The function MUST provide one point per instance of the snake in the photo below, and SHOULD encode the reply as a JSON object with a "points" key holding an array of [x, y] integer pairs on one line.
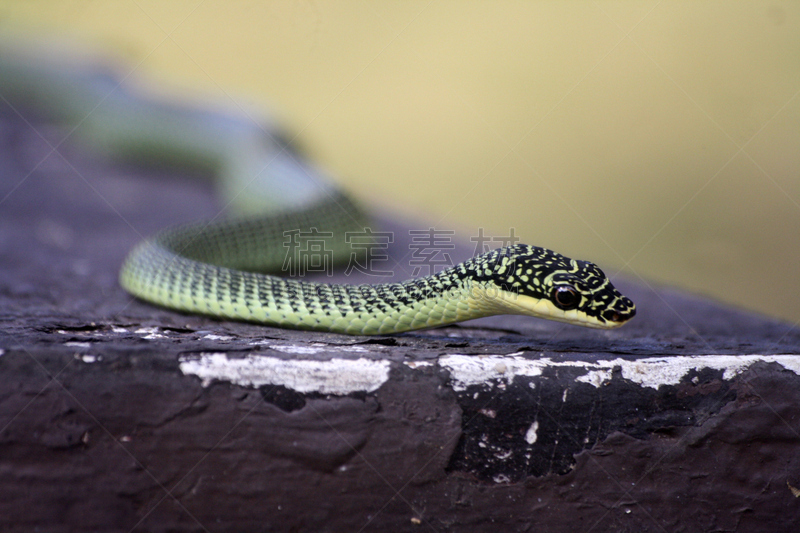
{"points": [[234, 268]]}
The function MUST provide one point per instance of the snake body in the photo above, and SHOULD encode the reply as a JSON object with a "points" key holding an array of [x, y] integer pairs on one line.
{"points": [[215, 270], [226, 268]]}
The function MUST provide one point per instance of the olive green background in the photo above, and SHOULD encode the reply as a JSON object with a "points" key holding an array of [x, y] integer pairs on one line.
{"points": [[658, 139]]}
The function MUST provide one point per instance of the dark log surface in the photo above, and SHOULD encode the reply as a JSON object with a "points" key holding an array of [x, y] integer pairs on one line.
{"points": [[104, 426]]}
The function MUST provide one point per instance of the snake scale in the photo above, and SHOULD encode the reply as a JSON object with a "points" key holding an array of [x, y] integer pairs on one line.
{"points": [[227, 268]]}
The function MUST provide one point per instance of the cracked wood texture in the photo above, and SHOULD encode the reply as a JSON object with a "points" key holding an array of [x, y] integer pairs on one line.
{"points": [[100, 430]]}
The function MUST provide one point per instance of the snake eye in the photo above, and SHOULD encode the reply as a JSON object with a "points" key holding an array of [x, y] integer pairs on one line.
{"points": [[566, 297]]}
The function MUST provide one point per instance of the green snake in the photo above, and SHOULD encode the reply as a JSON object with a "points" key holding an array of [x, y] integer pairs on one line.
{"points": [[227, 268]]}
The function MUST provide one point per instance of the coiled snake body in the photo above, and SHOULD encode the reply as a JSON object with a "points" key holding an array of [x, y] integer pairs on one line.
{"points": [[218, 269]]}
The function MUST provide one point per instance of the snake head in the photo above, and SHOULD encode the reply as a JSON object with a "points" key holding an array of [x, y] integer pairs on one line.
{"points": [[539, 282]]}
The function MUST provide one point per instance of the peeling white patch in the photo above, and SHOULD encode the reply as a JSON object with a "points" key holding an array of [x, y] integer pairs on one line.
{"points": [[90, 358], [213, 337], [656, 371], [115, 329], [312, 349], [532, 434], [78, 344], [503, 455], [295, 349], [150, 333], [466, 370], [354, 349], [418, 364], [596, 377], [334, 376]]}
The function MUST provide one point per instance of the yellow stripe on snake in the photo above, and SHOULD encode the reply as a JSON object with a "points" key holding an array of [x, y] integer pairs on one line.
{"points": [[225, 268]]}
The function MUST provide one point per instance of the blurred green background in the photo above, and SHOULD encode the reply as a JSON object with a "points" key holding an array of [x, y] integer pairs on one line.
{"points": [[659, 139]]}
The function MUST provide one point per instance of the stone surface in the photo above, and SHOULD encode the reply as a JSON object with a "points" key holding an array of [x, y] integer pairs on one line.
{"points": [[119, 416]]}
